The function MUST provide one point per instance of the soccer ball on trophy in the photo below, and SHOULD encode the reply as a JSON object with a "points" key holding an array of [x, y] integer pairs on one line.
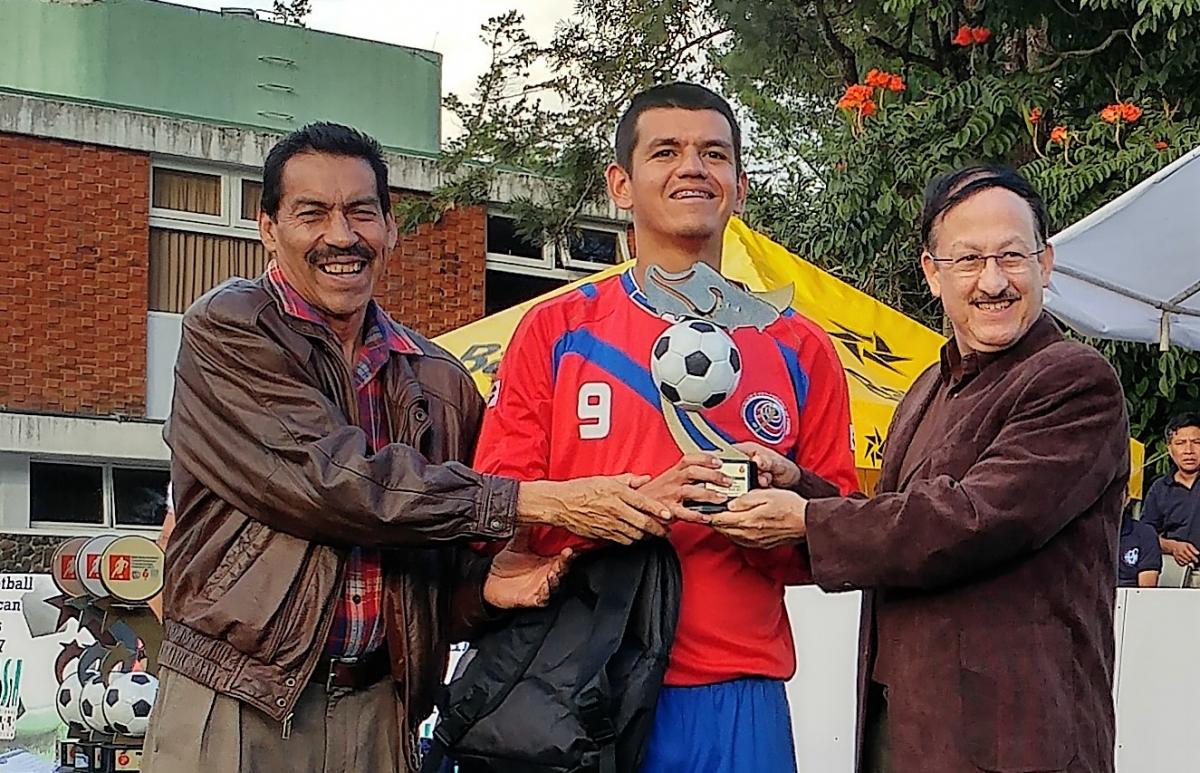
{"points": [[695, 364], [70, 693], [91, 705], [128, 700]]}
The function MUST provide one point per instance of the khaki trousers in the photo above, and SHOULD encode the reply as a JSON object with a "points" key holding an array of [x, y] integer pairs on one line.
{"points": [[195, 730]]}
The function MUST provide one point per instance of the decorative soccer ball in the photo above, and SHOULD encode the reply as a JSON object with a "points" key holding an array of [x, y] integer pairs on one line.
{"points": [[91, 706], [70, 692], [695, 364], [128, 700]]}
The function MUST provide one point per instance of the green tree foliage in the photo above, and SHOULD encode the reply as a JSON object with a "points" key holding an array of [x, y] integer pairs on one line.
{"points": [[1022, 82], [291, 11]]}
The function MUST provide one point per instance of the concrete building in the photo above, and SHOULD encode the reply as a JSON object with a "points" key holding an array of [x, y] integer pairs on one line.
{"points": [[131, 138]]}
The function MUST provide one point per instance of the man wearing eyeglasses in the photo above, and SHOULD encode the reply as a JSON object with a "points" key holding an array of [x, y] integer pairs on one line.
{"points": [[1172, 504], [989, 548]]}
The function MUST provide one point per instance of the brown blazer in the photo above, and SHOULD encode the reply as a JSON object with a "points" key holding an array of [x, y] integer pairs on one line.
{"points": [[993, 566]]}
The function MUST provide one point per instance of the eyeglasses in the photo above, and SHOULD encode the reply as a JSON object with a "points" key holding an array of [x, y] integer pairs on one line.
{"points": [[1012, 262]]}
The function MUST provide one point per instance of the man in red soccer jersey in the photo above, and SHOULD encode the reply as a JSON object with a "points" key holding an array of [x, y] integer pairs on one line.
{"points": [[576, 396]]}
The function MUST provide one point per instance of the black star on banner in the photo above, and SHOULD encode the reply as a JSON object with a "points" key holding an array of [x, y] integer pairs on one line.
{"points": [[865, 348], [874, 452]]}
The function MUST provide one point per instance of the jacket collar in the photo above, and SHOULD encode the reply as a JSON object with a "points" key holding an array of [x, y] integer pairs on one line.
{"points": [[913, 406], [379, 328], [957, 368]]}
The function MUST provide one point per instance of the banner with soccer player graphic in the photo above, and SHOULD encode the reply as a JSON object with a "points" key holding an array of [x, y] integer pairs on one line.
{"points": [[882, 350]]}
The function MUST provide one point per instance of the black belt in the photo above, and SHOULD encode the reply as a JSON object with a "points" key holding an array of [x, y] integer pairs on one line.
{"points": [[353, 673]]}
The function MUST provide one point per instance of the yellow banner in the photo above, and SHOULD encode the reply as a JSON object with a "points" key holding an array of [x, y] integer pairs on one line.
{"points": [[882, 350]]}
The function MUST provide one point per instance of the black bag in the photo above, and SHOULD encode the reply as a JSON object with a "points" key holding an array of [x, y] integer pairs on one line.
{"points": [[571, 687]]}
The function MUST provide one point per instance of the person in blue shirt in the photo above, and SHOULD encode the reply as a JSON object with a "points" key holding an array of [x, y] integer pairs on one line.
{"points": [[1139, 560], [1172, 504]]}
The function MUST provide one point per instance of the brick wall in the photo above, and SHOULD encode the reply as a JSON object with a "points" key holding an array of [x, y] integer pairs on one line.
{"points": [[74, 264], [435, 278], [73, 277]]}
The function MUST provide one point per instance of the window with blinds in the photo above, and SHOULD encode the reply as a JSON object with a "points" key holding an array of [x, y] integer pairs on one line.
{"points": [[203, 230], [184, 265]]}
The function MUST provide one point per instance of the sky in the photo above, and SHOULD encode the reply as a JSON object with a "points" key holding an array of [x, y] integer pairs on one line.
{"points": [[450, 27]]}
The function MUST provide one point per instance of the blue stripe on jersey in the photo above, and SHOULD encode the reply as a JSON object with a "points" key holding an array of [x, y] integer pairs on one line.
{"points": [[589, 290], [633, 291], [799, 377], [610, 358]]}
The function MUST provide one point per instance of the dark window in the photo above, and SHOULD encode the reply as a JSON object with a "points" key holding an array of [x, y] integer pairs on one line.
{"points": [[66, 493], [503, 239], [251, 199], [595, 246], [187, 191], [504, 290], [140, 496]]}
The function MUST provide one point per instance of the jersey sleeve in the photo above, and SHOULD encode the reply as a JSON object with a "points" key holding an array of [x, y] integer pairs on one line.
{"points": [[515, 438], [823, 443]]}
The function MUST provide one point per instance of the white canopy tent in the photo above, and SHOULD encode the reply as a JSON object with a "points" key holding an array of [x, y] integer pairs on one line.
{"points": [[1130, 271]]}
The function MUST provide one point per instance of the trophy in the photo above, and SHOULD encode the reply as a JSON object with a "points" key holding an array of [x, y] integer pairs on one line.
{"points": [[106, 676], [696, 365]]}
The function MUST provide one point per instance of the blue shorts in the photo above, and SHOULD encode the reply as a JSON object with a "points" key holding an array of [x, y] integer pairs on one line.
{"points": [[741, 726]]}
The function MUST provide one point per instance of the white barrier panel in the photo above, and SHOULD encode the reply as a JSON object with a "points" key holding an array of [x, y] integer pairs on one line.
{"points": [[822, 693], [1156, 687]]}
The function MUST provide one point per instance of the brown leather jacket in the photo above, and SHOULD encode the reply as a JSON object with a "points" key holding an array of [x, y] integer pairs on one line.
{"points": [[274, 481]]}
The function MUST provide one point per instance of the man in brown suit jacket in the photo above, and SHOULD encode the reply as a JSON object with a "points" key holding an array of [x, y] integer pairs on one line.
{"points": [[989, 549]]}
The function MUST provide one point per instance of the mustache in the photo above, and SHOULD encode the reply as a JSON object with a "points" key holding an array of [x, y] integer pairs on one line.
{"points": [[359, 250], [995, 298]]}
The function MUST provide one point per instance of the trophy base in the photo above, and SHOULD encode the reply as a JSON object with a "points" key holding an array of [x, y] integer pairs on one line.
{"points": [[743, 473], [707, 508]]}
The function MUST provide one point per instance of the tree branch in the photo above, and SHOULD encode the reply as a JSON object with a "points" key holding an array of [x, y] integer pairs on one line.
{"points": [[1063, 55], [905, 55], [848, 59]]}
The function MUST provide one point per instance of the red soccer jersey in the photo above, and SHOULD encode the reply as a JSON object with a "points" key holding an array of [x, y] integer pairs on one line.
{"points": [[575, 397]]}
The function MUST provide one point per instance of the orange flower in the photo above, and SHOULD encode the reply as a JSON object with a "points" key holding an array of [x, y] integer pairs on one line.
{"points": [[868, 108], [877, 79], [896, 83], [1130, 112], [1058, 134], [855, 97], [1035, 115], [1111, 114], [1161, 145], [981, 35], [963, 37]]}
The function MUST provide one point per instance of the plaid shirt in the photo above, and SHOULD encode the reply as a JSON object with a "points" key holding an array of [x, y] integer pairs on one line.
{"points": [[357, 628]]}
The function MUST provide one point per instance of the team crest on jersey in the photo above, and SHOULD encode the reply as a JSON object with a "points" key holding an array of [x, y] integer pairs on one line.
{"points": [[1131, 557], [767, 417]]}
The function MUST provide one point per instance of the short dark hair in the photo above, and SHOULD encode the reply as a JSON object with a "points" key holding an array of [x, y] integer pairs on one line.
{"points": [[950, 189], [1181, 420], [682, 95], [322, 137]]}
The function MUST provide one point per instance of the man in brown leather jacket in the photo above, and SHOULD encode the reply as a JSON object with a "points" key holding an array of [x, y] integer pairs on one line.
{"points": [[319, 569]]}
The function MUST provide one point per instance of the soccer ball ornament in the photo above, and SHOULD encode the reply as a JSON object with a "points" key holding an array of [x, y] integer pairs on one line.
{"points": [[128, 700], [91, 706], [695, 364], [70, 693]]}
